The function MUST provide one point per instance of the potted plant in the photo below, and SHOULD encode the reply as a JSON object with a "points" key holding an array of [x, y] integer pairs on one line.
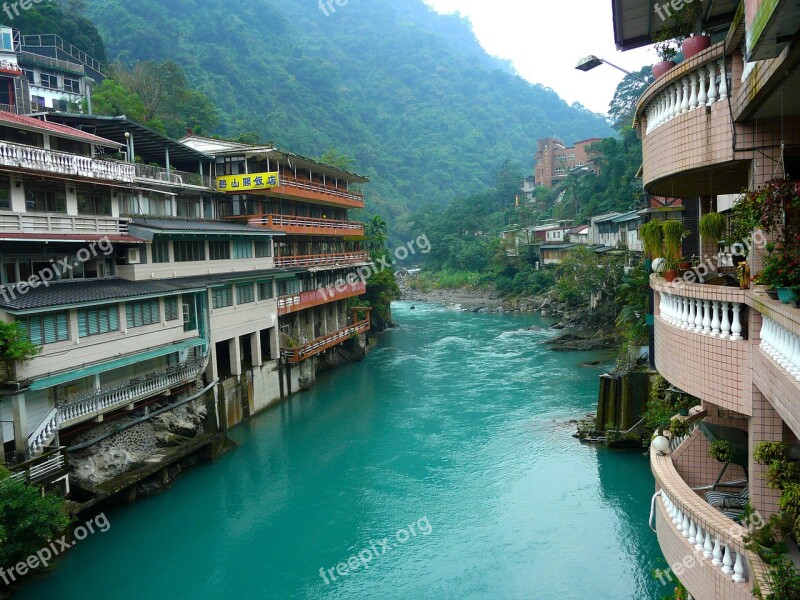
{"points": [[768, 541], [743, 275], [673, 236], [713, 226], [690, 23], [652, 235], [684, 264], [668, 40], [680, 427], [721, 450]]}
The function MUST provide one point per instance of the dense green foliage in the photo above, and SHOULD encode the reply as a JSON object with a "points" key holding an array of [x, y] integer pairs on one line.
{"points": [[409, 94], [15, 346], [28, 519]]}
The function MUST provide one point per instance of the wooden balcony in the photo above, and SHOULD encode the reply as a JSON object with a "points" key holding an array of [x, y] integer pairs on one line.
{"points": [[31, 158], [306, 225], [320, 260], [298, 302], [319, 345], [318, 192]]}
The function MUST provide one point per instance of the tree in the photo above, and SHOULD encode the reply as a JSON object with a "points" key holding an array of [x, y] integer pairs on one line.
{"points": [[111, 98], [338, 160], [375, 233], [28, 519], [15, 346], [623, 106]]}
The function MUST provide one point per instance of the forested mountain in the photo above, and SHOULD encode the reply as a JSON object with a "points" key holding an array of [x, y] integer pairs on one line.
{"points": [[409, 94]]}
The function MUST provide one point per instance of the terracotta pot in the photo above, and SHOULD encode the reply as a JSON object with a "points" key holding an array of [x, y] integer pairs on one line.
{"points": [[685, 266], [660, 68], [670, 275], [694, 45]]}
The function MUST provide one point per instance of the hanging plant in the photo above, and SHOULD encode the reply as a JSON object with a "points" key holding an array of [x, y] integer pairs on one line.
{"points": [[673, 236], [714, 227], [652, 235], [721, 450], [679, 427]]}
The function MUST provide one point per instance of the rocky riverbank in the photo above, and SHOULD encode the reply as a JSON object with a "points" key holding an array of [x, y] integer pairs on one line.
{"points": [[581, 332]]}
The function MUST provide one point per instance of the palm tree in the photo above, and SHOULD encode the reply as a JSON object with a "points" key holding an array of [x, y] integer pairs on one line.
{"points": [[375, 231]]}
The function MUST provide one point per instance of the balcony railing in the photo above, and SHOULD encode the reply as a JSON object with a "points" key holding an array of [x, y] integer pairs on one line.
{"points": [[781, 345], [295, 302], [139, 388], [301, 353], [60, 223], [63, 163], [306, 225], [330, 190], [713, 318], [43, 432], [315, 260], [172, 177], [45, 469], [39, 60]]}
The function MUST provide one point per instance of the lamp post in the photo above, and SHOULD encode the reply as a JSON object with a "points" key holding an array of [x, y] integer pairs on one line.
{"points": [[592, 62]]}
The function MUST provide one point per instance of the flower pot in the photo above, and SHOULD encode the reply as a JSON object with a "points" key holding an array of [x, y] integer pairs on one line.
{"points": [[684, 412], [670, 275], [661, 68], [772, 294], [685, 265], [694, 45], [786, 295], [761, 289]]}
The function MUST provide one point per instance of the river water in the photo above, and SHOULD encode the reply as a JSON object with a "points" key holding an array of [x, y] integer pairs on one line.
{"points": [[444, 461]]}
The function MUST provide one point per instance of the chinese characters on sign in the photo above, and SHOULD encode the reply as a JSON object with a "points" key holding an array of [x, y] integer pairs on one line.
{"points": [[245, 183]]}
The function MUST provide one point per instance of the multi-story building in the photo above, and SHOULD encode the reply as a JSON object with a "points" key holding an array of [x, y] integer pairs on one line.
{"points": [[308, 202], [141, 287], [719, 122], [43, 73], [554, 161]]}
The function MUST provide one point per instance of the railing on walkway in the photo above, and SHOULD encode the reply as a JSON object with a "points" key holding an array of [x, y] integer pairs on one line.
{"points": [[301, 353], [129, 392], [61, 223], [43, 432], [295, 302], [313, 260], [47, 468], [713, 318], [314, 186], [781, 345], [306, 225], [64, 163], [173, 176]]}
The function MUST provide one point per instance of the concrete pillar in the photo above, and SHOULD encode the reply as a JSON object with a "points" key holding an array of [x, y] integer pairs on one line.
{"points": [[20, 425], [17, 195], [212, 362], [255, 349], [236, 356], [72, 198], [274, 343]]}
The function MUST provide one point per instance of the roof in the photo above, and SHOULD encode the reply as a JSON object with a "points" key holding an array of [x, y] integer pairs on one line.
{"points": [[64, 294], [579, 230], [147, 143], [594, 139], [194, 226], [556, 246], [69, 237], [49, 128], [629, 216], [217, 147], [605, 217]]}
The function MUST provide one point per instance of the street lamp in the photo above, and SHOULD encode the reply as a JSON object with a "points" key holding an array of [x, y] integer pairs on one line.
{"points": [[592, 62]]}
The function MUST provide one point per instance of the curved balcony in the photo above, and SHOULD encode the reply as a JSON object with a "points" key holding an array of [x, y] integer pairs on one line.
{"points": [[703, 548], [686, 128], [701, 342], [319, 192]]}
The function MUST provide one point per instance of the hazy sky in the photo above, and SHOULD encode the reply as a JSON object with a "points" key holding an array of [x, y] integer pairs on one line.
{"points": [[546, 39]]}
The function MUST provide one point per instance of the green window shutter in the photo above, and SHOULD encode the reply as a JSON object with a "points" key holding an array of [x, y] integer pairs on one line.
{"points": [[49, 328], [82, 318]]}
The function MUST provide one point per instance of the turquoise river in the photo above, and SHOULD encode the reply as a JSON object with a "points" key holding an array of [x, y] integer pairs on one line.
{"points": [[445, 461]]}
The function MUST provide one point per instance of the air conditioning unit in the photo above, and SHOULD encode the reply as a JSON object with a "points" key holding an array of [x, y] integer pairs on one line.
{"points": [[133, 257]]}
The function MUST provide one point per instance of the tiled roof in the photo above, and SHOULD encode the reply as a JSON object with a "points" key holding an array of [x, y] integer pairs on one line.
{"points": [[73, 293], [29, 123]]}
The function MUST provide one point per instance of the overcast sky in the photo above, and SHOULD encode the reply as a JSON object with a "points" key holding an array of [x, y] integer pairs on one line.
{"points": [[545, 40]]}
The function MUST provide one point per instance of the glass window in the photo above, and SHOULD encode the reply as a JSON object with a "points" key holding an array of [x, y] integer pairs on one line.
{"points": [[265, 290], [189, 251], [189, 207], [160, 250], [222, 297], [142, 313], [45, 197], [49, 80], [171, 308], [263, 248], [219, 250], [245, 293], [287, 287], [242, 249], [47, 328], [94, 321], [5, 193], [93, 202], [72, 85], [7, 43]]}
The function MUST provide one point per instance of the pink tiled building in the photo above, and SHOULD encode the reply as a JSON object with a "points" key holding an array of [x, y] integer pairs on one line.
{"points": [[722, 121]]}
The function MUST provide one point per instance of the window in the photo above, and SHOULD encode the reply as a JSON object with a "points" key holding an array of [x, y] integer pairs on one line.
{"points": [[171, 308], [288, 287], [47, 328], [242, 249], [29, 75], [263, 248], [245, 293], [189, 251], [189, 207], [8, 43], [142, 313], [5, 193], [94, 321], [219, 250], [93, 202], [49, 80], [38, 101], [160, 250], [72, 85], [265, 291], [45, 197], [222, 297]]}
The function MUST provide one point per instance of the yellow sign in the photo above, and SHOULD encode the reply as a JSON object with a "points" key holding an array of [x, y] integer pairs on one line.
{"points": [[247, 183]]}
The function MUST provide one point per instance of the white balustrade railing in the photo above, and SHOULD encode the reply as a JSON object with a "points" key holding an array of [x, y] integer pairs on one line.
{"points": [[57, 222], [781, 345], [713, 318], [289, 301], [64, 163], [44, 432], [702, 87], [128, 393], [717, 549]]}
